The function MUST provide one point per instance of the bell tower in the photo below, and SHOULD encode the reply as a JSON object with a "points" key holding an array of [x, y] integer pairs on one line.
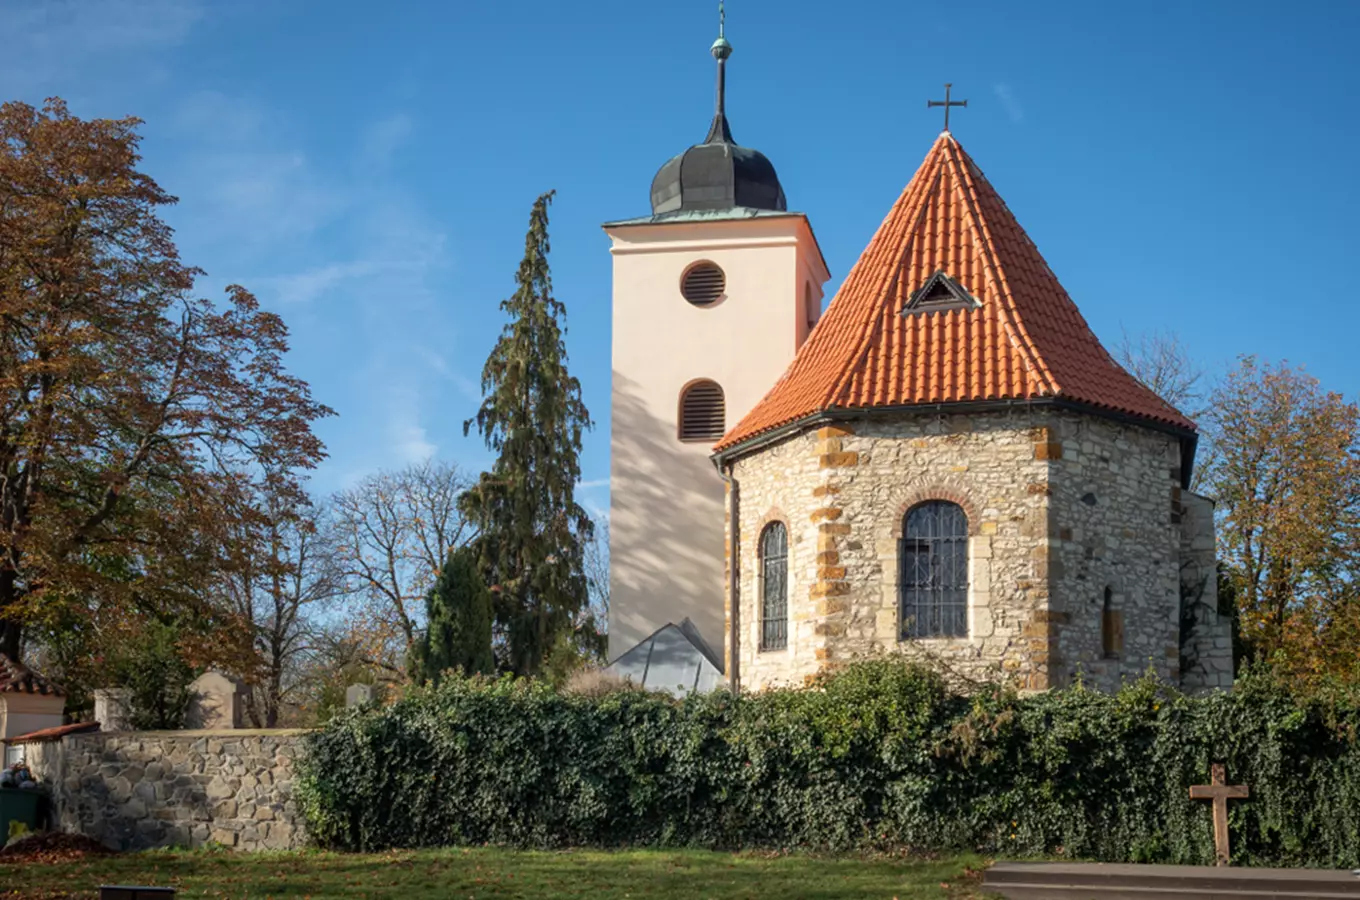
{"points": [[713, 293]]}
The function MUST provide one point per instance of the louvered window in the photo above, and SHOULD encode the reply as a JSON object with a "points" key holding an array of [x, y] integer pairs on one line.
{"points": [[703, 284], [774, 587], [933, 579], [703, 413]]}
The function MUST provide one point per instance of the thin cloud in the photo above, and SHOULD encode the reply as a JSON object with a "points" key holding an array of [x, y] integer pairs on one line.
{"points": [[1006, 95], [53, 38], [382, 139], [305, 286], [411, 444], [241, 185]]}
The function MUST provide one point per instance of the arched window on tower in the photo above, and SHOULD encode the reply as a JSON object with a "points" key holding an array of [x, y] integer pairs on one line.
{"points": [[933, 576], [703, 412], [1111, 628], [774, 587]]}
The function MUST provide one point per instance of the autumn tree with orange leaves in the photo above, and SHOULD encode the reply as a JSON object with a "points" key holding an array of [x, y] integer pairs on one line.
{"points": [[1285, 472], [131, 411]]}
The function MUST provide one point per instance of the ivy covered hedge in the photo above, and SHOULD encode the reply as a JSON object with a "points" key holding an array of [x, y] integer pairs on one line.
{"points": [[877, 756]]}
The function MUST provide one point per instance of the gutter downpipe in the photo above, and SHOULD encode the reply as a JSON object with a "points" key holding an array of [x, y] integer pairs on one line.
{"points": [[733, 577]]}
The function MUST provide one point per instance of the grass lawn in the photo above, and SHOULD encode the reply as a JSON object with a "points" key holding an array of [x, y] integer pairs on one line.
{"points": [[491, 874]]}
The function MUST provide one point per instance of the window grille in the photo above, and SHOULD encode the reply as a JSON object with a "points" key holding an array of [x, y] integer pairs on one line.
{"points": [[703, 412], [774, 587], [703, 284], [933, 577]]}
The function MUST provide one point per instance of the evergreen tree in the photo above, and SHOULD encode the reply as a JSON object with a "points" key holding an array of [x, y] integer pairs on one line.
{"points": [[458, 613], [532, 532]]}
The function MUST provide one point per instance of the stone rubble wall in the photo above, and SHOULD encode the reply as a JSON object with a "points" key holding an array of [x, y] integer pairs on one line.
{"points": [[843, 490], [1060, 506], [1114, 525], [137, 790], [1206, 641]]}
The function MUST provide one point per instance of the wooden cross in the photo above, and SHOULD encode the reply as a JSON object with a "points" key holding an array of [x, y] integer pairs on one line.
{"points": [[946, 103], [1220, 792]]}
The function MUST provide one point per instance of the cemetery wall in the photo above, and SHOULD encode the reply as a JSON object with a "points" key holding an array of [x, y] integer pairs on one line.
{"points": [[139, 789]]}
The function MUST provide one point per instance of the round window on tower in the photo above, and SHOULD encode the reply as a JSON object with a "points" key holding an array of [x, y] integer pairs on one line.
{"points": [[703, 284]]}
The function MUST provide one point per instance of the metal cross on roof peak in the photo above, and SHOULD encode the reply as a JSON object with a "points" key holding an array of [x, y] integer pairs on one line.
{"points": [[946, 103]]}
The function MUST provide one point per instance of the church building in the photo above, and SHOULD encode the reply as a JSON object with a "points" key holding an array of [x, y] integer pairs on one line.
{"points": [[946, 463]]}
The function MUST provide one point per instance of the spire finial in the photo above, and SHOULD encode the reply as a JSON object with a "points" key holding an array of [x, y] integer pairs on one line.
{"points": [[946, 103], [721, 50]]}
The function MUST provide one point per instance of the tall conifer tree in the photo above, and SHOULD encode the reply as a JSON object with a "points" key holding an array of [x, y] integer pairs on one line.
{"points": [[458, 612], [532, 532]]}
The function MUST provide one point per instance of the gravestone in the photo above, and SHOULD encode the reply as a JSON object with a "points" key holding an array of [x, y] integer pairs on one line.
{"points": [[358, 694], [113, 709], [218, 702]]}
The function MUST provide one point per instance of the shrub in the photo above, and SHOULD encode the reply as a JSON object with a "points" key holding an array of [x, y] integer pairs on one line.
{"points": [[878, 756], [597, 683]]}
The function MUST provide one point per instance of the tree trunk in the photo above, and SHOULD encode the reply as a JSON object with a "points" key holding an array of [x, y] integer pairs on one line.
{"points": [[10, 630]]}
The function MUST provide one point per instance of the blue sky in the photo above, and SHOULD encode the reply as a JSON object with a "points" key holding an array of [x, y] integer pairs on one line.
{"points": [[367, 169]]}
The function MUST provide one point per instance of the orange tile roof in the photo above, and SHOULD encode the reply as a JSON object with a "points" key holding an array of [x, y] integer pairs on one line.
{"points": [[1026, 339], [15, 677], [55, 733]]}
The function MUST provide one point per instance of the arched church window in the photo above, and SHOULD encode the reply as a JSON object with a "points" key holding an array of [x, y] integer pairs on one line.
{"points": [[703, 283], [810, 308], [1111, 628], [774, 587], [703, 412], [933, 577]]}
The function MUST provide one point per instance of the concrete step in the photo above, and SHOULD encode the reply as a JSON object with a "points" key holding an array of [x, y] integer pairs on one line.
{"points": [[1071, 892], [1099, 881]]}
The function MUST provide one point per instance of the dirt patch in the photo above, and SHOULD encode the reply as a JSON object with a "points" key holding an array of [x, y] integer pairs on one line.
{"points": [[52, 847]]}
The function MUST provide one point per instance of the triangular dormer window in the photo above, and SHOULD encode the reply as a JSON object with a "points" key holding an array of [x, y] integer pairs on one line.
{"points": [[940, 292]]}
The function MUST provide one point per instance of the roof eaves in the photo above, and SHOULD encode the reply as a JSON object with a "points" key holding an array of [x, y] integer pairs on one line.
{"points": [[1188, 436]]}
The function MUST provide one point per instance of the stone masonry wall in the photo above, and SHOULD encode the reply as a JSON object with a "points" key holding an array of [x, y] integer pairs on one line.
{"points": [[135, 790], [1112, 490], [1206, 636], [1060, 506], [843, 490]]}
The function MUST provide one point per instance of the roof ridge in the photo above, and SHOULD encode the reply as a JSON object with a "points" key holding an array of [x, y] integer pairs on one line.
{"points": [[1012, 321], [874, 312]]}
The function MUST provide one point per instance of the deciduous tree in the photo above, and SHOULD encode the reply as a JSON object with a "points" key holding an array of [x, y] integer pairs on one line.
{"points": [[392, 533], [1161, 361], [532, 532], [281, 572], [1286, 476], [127, 404]]}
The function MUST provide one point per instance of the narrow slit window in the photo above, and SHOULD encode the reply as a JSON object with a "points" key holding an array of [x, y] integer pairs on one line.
{"points": [[774, 587], [703, 412], [933, 575], [1111, 628]]}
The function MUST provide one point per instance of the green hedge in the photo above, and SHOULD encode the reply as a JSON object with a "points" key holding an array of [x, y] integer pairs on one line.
{"points": [[878, 756]]}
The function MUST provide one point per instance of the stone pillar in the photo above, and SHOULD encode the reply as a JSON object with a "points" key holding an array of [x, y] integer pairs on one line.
{"points": [[1207, 642], [218, 702], [358, 694], [113, 709]]}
